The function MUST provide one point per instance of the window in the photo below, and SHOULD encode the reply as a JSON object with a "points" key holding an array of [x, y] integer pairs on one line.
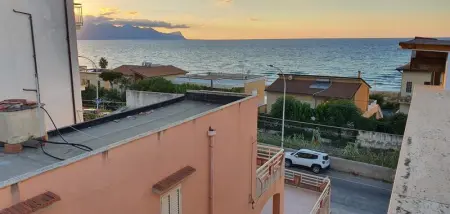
{"points": [[325, 157], [408, 87], [427, 83], [171, 202], [306, 156]]}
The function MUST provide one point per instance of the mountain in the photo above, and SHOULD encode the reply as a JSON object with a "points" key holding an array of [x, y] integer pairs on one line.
{"points": [[108, 31]]}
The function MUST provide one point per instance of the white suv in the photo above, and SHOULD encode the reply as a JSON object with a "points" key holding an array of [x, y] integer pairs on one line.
{"points": [[309, 158]]}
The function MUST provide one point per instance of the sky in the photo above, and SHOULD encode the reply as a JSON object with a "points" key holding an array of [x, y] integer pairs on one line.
{"points": [[279, 19]]}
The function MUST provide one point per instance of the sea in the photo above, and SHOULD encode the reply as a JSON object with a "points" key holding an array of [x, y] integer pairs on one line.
{"points": [[375, 58]]}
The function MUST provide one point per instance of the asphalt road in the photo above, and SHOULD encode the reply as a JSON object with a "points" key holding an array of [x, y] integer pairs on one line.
{"points": [[356, 195]]}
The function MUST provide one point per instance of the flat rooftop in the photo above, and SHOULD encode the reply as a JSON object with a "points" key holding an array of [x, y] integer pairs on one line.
{"points": [[296, 200], [422, 180], [108, 132]]}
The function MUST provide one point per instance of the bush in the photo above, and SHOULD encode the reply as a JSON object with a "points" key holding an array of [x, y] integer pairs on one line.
{"points": [[378, 97], [342, 113], [295, 110]]}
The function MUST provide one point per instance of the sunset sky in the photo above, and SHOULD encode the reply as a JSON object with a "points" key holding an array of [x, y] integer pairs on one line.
{"points": [[270, 19]]}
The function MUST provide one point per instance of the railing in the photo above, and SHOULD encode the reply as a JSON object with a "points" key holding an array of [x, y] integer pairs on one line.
{"points": [[78, 11], [271, 167], [322, 205], [316, 183]]}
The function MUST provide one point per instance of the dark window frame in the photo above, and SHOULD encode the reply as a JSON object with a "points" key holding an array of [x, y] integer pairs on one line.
{"points": [[408, 87]]}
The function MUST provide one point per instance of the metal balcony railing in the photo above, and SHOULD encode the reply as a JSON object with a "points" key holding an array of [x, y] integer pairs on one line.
{"points": [[270, 161], [78, 11]]}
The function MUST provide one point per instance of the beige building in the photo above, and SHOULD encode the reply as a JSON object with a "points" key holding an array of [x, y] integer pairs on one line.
{"points": [[147, 70], [315, 90], [426, 67], [92, 78], [251, 84]]}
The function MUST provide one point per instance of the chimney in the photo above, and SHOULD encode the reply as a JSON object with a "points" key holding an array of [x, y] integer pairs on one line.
{"points": [[359, 74]]}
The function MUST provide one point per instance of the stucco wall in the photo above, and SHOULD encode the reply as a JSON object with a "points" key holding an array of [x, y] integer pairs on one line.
{"points": [[16, 56], [417, 78], [361, 98], [93, 77], [259, 86], [137, 99], [120, 179]]}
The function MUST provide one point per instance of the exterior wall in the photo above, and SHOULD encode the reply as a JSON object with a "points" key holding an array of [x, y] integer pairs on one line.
{"points": [[363, 169], [361, 98], [422, 181], [136, 99], [171, 77], [93, 78], [119, 180], [404, 108], [16, 56], [417, 78], [259, 86], [379, 140]]}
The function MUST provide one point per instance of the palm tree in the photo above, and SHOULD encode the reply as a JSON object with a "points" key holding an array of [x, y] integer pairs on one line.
{"points": [[103, 63]]}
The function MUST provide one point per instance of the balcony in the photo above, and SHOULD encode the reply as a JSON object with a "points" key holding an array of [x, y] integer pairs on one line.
{"points": [[78, 12], [302, 191], [270, 167]]}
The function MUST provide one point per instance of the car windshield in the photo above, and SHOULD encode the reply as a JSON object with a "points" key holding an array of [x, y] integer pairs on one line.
{"points": [[325, 157]]}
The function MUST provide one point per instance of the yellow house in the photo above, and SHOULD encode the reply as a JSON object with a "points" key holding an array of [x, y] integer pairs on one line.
{"points": [[315, 90], [92, 78], [426, 67]]}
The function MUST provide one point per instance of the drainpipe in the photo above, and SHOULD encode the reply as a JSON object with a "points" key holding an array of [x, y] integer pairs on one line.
{"points": [[211, 135], [69, 54]]}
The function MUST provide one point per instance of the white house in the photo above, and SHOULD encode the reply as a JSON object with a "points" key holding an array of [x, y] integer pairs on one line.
{"points": [[46, 29]]}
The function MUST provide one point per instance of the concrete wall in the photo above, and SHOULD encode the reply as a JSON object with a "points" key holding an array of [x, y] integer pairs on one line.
{"points": [[404, 108], [362, 169], [259, 86], [422, 181], [137, 99], [417, 78], [120, 180], [16, 56], [379, 140]]}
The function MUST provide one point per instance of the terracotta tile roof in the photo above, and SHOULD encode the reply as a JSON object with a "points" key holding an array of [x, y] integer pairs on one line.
{"points": [[172, 180], [33, 204], [145, 71], [341, 90]]}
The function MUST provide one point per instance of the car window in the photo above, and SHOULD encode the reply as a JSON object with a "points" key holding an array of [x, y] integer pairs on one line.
{"points": [[314, 157], [302, 155], [325, 157]]}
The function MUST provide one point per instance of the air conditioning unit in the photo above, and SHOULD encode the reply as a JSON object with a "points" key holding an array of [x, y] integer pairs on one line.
{"points": [[21, 125]]}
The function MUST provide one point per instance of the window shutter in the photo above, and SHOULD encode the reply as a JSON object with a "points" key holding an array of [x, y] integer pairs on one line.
{"points": [[165, 200], [171, 202]]}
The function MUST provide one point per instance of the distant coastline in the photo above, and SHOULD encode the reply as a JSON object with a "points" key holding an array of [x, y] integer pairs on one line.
{"points": [[126, 32]]}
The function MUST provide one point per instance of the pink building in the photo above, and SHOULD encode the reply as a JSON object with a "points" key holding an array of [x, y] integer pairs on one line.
{"points": [[195, 154]]}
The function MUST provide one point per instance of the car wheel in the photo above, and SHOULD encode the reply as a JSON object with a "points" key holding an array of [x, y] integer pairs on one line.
{"points": [[288, 163], [316, 169]]}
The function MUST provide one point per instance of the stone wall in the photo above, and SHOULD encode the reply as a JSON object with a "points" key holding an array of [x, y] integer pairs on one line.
{"points": [[363, 169]]}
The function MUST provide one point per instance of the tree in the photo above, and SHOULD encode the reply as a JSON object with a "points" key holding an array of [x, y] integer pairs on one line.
{"points": [[342, 113], [111, 76], [398, 123], [103, 63], [295, 110]]}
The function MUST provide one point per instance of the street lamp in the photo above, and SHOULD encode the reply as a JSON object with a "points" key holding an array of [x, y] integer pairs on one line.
{"points": [[284, 104], [97, 85]]}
